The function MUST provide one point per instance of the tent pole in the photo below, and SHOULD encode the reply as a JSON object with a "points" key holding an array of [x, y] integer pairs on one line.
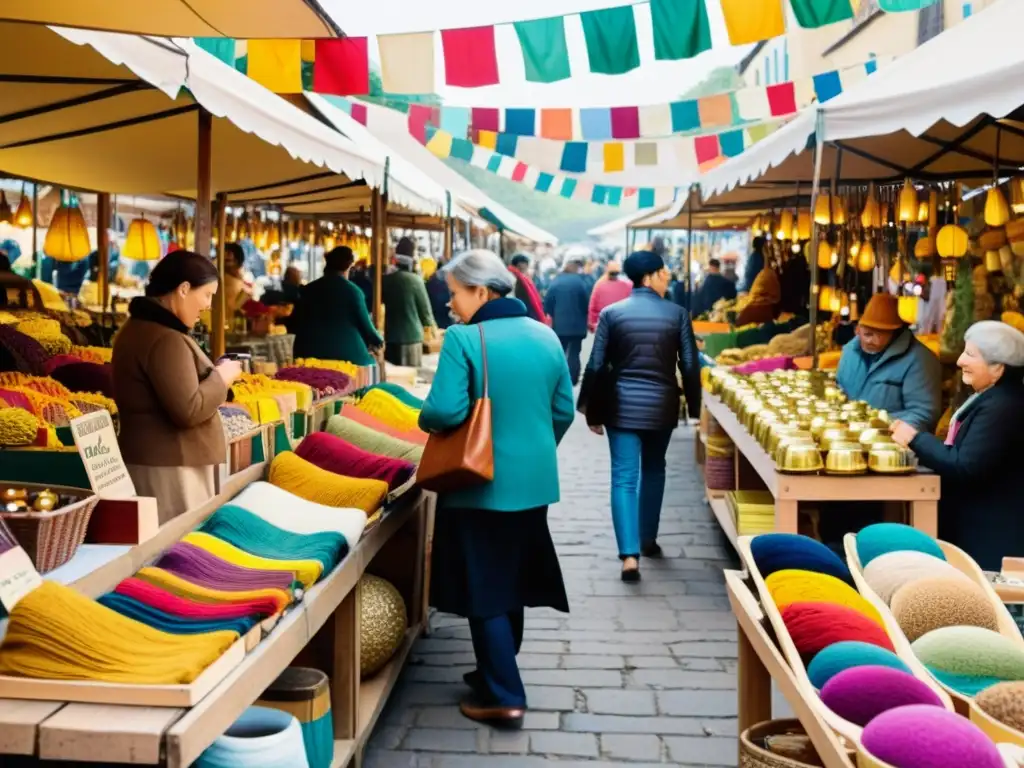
{"points": [[219, 314], [449, 228], [689, 245], [35, 232], [103, 248], [377, 253], [812, 255], [204, 225]]}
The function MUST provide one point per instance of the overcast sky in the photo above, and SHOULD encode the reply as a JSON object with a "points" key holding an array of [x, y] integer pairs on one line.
{"points": [[652, 83]]}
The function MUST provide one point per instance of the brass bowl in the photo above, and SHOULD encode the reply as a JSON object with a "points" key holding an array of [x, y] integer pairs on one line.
{"points": [[874, 436], [858, 426], [891, 459], [834, 395], [828, 425], [832, 437], [800, 436], [845, 459], [761, 422], [799, 458], [776, 432]]}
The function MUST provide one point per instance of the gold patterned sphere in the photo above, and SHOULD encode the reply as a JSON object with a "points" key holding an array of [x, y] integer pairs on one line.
{"points": [[382, 624]]}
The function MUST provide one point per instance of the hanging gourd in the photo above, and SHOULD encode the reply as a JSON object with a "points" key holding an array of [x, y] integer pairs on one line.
{"points": [[822, 214], [827, 256], [866, 257], [785, 229], [908, 202], [997, 212], [803, 225], [992, 239], [871, 216], [1015, 236], [922, 212], [951, 242]]}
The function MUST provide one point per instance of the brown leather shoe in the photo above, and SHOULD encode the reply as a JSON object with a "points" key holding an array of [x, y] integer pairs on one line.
{"points": [[502, 717]]}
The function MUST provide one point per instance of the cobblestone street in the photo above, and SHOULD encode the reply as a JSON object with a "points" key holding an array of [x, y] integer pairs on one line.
{"points": [[636, 674]]}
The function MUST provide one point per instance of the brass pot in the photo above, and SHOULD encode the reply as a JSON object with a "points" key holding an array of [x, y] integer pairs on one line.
{"points": [[891, 459], [831, 437], [762, 422], [834, 395], [776, 432], [799, 436], [845, 459], [874, 436], [826, 425], [800, 458]]}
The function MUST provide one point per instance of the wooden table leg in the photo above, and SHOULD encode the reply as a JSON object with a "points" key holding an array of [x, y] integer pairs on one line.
{"points": [[754, 686], [924, 515], [785, 516]]}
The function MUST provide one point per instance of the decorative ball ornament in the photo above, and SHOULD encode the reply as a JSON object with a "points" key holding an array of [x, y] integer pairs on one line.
{"points": [[382, 624]]}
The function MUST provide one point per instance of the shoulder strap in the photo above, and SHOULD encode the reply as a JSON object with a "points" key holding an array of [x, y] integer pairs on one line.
{"points": [[483, 356]]}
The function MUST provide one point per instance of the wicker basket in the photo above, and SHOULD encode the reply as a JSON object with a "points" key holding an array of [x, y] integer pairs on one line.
{"points": [[755, 754], [51, 538]]}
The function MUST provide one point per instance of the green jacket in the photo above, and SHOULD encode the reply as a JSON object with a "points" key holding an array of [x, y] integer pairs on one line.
{"points": [[531, 407], [331, 322], [406, 307]]}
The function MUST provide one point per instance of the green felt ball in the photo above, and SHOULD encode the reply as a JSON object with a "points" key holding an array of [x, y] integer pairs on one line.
{"points": [[971, 652], [882, 538]]}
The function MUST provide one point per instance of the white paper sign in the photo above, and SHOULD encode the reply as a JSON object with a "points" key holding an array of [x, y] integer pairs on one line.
{"points": [[97, 444], [18, 576]]}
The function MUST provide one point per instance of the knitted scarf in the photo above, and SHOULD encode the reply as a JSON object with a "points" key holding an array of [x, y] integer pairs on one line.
{"points": [[532, 295], [330, 452]]}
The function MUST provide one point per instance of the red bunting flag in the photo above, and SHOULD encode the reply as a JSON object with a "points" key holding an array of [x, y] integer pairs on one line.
{"points": [[342, 67], [706, 148], [519, 172], [470, 59], [782, 98], [419, 116]]}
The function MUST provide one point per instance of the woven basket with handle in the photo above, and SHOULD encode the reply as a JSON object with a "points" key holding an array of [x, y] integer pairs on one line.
{"points": [[51, 538], [777, 744]]}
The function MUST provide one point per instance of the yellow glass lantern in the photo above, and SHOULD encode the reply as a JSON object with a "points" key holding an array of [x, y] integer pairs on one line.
{"points": [[908, 202], [67, 239], [822, 213], [838, 210], [997, 212], [1017, 194], [827, 255], [907, 308], [142, 242], [6, 214], [933, 210], [23, 217], [785, 230], [922, 212], [871, 216], [866, 257], [825, 298], [951, 242], [803, 225]]}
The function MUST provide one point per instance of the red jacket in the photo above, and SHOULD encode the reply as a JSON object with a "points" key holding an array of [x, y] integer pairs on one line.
{"points": [[606, 293]]}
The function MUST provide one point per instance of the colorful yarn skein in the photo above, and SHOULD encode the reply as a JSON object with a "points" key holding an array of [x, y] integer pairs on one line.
{"points": [[335, 455], [56, 633], [184, 588], [792, 586], [389, 409], [306, 571], [290, 513], [298, 476], [414, 436], [184, 608], [201, 567], [168, 622], [373, 440], [399, 392]]}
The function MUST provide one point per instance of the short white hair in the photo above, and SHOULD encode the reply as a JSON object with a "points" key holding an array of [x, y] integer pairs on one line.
{"points": [[481, 268], [997, 342]]}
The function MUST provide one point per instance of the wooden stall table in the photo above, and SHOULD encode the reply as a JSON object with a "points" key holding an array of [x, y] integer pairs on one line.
{"points": [[920, 490]]}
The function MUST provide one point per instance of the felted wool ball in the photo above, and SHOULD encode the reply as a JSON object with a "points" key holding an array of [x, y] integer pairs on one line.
{"points": [[922, 736], [848, 655], [887, 573], [972, 653], [934, 602], [814, 626], [1005, 703], [781, 551], [860, 694], [789, 586], [881, 538]]}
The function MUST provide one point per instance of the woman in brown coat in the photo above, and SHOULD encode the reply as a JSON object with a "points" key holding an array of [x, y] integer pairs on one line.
{"points": [[167, 391]]}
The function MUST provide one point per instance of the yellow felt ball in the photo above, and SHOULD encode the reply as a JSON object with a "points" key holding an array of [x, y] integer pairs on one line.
{"points": [[306, 480], [793, 586]]}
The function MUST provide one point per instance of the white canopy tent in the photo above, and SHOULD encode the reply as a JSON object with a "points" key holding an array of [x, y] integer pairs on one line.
{"points": [[950, 109], [617, 227]]}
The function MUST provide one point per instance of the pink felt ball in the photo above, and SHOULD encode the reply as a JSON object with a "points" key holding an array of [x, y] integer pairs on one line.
{"points": [[860, 694], [922, 736]]}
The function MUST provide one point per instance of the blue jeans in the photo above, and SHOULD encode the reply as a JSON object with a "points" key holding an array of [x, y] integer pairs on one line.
{"points": [[638, 485], [573, 348], [496, 643]]}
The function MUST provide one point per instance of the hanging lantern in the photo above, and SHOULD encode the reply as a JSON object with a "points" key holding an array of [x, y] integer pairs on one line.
{"points": [[827, 255], [866, 257], [825, 298], [6, 214], [997, 212], [1017, 194], [907, 308], [838, 210], [908, 202], [951, 242], [757, 227], [871, 216], [822, 214], [23, 217], [854, 308], [785, 225], [142, 242], [933, 211], [949, 269], [803, 225], [992, 263], [922, 212], [67, 239]]}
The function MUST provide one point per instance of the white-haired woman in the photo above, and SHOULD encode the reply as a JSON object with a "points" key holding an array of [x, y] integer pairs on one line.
{"points": [[980, 508], [492, 553]]}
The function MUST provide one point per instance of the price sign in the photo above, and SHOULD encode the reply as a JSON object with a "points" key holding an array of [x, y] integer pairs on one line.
{"points": [[97, 444]]}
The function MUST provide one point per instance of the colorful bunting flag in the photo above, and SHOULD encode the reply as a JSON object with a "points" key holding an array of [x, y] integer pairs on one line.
{"points": [[222, 48], [486, 119], [556, 124], [625, 122], [574, 157], [341, 67], [470, 58], [276, 64], [614, 157], [407, 62], [897, 6], [750, 21], [545, 53], [611, 40], [681, 28], [521, 122], [715, 111], [781, 99], [595, 123], [812, 14]]}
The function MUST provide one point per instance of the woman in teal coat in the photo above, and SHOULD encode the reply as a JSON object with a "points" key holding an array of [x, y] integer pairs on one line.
{"points": [[493, 554]]}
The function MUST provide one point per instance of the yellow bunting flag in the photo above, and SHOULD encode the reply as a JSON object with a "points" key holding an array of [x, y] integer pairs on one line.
{"points": [[614, 157], [751, 21], [276, 64], [407, 62], [309, 50], [441, 144], [488, 140]]}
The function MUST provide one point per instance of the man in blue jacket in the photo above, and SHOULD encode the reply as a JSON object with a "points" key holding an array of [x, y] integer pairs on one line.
{"points": [[566, 303], [889, 368]]}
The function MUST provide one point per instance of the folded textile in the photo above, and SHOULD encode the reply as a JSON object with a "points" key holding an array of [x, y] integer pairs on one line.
{"points": [[389, 409], [292, 513], [164, 600], [184, 588], [397, 390], [334, 454], [416, 436], [372, 440], [201, 567], [168, 622], [298, 476], [306, 571]]}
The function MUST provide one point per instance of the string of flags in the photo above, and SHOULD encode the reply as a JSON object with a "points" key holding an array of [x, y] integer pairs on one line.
{"points": [[469, 59]]}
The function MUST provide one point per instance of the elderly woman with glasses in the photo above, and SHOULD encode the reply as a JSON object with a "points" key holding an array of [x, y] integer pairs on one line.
{"points": [[980, 508]]}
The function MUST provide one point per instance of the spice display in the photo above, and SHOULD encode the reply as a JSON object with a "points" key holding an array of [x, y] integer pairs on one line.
{"points": [[17, 427], [324, 381], [236, 421]]}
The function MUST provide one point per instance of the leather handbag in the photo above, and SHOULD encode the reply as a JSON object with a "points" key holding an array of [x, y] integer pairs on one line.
{"points": [[464, 456]]}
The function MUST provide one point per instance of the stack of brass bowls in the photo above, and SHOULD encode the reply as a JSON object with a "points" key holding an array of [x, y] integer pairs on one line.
{"points": [[891, 459]]}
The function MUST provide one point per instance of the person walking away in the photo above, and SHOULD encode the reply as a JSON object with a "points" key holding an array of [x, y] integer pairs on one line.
{"points": [[167, 391], [331, 321], [713, 289], [630, 391], [492, 554], [526, 291], [979, 510], [439, 295], [753, 266], [891, 370], [609, 289], [567, 303], [406, 310]]}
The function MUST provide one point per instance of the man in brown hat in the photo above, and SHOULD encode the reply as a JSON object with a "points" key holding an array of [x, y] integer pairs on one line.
{"points": [[889, 368]]}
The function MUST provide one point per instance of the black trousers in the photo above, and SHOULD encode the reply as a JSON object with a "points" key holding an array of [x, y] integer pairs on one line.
{"points": [[573, 348]]}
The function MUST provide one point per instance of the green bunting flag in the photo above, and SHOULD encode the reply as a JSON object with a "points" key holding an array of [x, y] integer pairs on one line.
{"points": [[811, 14], [545, 52], [611, 40], [681, 28], [897, 6]]}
